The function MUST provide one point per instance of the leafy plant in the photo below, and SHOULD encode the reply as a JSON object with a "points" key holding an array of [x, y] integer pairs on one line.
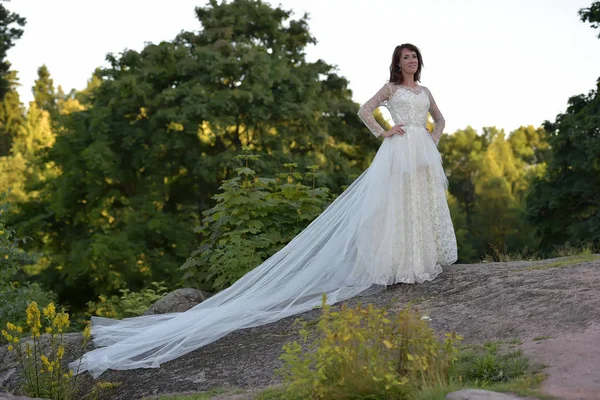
{"points": [[253, 218], [364, 352], [489, 365], [15, 295], [128, 304], [44, 372]]}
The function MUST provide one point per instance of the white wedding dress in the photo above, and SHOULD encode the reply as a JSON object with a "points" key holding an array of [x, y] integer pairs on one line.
{"points": [[391, 225]]}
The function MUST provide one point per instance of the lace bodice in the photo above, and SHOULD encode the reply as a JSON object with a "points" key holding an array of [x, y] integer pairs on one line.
{"points": [[407, 105]]}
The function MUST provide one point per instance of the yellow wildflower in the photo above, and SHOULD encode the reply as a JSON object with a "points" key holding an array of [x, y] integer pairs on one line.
{"points": [[19, 329], [45, 360], [50, 311], [16, 340], [10, 326], [87, 332], [60, 352], [61, 321], [48, 330], [10, 348], [33, 317]]}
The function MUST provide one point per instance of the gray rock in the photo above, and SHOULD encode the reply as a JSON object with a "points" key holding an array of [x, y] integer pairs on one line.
{"points": [[178, 301], [482, 302], [479, 394]]}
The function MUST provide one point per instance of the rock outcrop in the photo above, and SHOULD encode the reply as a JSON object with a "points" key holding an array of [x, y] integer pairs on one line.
{"points": [[482, 302]]}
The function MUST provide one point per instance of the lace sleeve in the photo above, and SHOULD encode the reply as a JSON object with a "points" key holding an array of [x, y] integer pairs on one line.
{"points": [[366, 111], [438, 118]]}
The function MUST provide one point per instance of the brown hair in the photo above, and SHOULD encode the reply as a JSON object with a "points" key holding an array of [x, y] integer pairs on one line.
{"points": [[395, 73]]}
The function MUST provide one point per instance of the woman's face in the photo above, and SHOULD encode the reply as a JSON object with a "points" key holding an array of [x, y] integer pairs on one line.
{"points": [[409, 63]]}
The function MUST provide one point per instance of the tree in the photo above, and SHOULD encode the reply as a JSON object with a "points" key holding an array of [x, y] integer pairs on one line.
{"points": [[11, 115], [530, 145], [44, 94], [592, 15], [462, 153], [489, 175], [24, 170], [142, 160], [564, 203], [500, 186], [10, 31]]}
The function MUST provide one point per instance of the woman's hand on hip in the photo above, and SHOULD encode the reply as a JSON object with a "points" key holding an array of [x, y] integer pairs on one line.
{"points": [[395, 130]]}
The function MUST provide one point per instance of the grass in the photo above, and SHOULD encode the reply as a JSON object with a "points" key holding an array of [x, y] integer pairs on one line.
{"points": [[573, 255], [202, 395], [503, 255], [524, 387], [572, 260], [277, 393], [538, 338]]}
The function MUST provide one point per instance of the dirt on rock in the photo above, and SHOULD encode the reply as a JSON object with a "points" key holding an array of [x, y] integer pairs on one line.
{"points": [[555, 312]]}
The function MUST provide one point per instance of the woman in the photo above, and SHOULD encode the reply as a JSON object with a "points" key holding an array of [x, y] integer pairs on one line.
{"points": [[391, 225]]}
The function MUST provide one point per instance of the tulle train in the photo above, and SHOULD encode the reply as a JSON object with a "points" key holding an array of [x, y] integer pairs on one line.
{"points": [[391, 225]]}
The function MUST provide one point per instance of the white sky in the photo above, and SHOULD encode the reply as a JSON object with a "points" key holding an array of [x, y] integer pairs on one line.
{"points": [[488, 63]]}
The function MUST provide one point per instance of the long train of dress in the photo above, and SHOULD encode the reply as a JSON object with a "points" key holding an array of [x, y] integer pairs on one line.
{"points": [[391, 225]]}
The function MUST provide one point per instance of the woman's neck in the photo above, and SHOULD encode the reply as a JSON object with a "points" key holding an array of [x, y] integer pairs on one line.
{"points": [[408, 80]]}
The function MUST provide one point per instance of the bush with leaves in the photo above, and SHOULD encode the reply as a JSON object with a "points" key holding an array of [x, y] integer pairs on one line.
{"points": [[15, 295], [128, 304], [254, 217], [364, 352]]}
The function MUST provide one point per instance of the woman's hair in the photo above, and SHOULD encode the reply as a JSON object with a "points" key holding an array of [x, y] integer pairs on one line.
{"points": [[395, 73]]}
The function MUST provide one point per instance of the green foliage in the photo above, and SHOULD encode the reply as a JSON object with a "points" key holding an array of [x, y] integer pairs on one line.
{"points": [[498, 254], [15, 292], [155, 136], [45, 374], [11, 109], [489, 177], [15, 299], [563, 204], [128, 304], [201, 396], [254, 217], [24, 171], [10, 31], [44, 94], [488, 365], [584, 256], [364, 352], [464, 238], [591, 14]]}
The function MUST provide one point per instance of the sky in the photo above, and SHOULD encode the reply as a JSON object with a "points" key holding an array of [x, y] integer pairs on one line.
{"points": [[503, 63]]}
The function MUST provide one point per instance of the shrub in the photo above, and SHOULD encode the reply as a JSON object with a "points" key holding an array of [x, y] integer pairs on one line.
{"points": [[254, 217], [128, 304], [15, 295], [364, 352]]}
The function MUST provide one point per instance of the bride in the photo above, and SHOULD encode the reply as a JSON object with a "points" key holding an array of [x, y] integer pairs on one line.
{"points": [[391, 225]]}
